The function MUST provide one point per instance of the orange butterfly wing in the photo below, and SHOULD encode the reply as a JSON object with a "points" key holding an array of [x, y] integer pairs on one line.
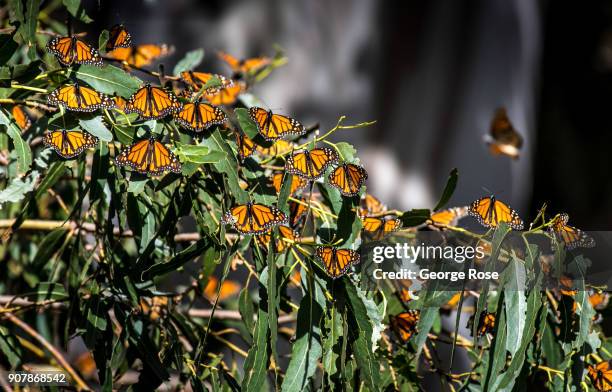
{"points": [[152, 102], [119, 37], [274, 126], [71, 50], [254, 218], [348, 179], [79, 98], [69, 144], [148, 156], [490, 212], [405, 324], [21, 118], [336, 261], [312, 164], [198, 116]]}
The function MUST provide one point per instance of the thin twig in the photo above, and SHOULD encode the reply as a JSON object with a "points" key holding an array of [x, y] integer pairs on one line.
{"points": [[82, 386]]}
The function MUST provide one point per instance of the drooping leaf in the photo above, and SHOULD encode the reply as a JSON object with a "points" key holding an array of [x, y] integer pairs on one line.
{"points": [[75, 7], [190, 61], [96, 127], [22, 149], [108, 79], [449, 189], [18, 188], [247, 125]]}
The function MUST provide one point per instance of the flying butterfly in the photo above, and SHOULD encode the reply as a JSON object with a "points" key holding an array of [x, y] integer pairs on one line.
{"points": [[69, 144], [224, 95], [380, 226], [140, 55], [118, 37], [348, 178], [448, 217], [336, 261], [71, 50], [570, 236], [491, 212], [297, 182], [404, 325], [79, 98], [21, 118], [503, 139], [148, 156], [311, 164], [152, 102], [253, 218], [245, 66], [197, 80], [601, 376], [285, 233], [274, 126], [199, 115], [246, 146], [370, 205]]}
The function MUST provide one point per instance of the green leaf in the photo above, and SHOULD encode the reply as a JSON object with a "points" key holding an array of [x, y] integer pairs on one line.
{"points": [[415, 217], [10, 347], [426, 321], [96, 127], [199, 154], [347, 151], [191, 60], [55, 172], [8, 47], [307, 350], [256, 363], [48, 246], [363, 345], [495, 358], [449, 189], [333, 327], [18, 188], [515, 301], [22, 149], [75, 7], [103, 40], [247, 311], [48, 291], [28, 30], [247, 125], [108, 79]]}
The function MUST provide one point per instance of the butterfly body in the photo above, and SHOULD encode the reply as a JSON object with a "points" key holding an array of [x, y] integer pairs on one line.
{"points": [[152, 102], [336, 261], [119, 37], [348, 179], [140, 55], [404, 325], [570, 236], [69, 144], [490, 212], [79, 98], [71, 50], [198, 116], [274, 126], [311, 164], [148, 156], [254, 218]]}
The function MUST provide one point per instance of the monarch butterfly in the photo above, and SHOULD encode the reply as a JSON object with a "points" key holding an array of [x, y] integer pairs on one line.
{"points": [[149, 156], [253, 218], [297, 183], [21, 118], [245, 66], [348, 178], [570, 236], [407, 295], [404, 325], [490, 212], [228, 289], [120, 103], [280, 147], [448, 217], [274, 126], [140, 55], [245, 146], [336, 261], [371, 205], [79, 98], [311, 164], [599, 299], [503, 138], [118, 37], [285, 233], [69, 144], [71, 50], [199, 115], [225, 95], [452, 303], [601, 376], [297, 210], [486, 323], [197, 80], [152, 102], [380, 226]]}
